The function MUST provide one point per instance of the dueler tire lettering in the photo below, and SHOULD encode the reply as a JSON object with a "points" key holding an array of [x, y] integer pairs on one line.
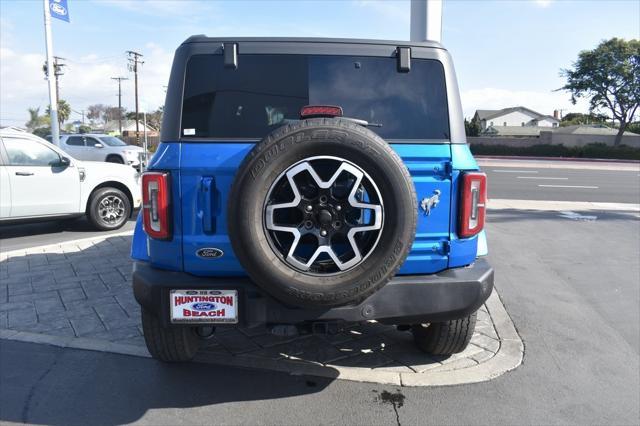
{"points": [[275, 154]]}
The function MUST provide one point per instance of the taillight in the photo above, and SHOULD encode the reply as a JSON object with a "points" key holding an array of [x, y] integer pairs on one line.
{"points": [[473, 200], [155, 204], [311, 111]]}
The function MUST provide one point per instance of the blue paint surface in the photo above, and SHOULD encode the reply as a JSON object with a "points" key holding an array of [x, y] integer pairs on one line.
{"points": [[201, 178]]}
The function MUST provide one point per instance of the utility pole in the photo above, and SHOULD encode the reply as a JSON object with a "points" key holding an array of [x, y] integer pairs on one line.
{"points": [[119, 80], [134, 61], [57, 72]]}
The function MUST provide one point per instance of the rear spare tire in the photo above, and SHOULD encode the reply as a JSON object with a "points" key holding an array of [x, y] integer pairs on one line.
{"points": [[322, 213]]}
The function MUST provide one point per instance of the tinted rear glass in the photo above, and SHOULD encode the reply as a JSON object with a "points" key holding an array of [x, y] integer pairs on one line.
{"points": [[267, 90]]}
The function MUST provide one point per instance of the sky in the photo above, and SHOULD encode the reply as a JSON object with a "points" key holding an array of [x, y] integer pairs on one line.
{"points": [[506, 53]]}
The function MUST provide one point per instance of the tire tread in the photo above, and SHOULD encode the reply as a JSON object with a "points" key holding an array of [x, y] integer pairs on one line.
{"points": [[447, 337], [168, 344]]}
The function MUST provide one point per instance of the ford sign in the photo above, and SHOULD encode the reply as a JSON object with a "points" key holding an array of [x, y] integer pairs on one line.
{"points": [[209, 253], [203, 306], [58, 9]]}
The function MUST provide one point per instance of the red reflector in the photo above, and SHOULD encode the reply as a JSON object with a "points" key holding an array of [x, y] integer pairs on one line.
{"points": [[311, 111], [473, 201], [155, 205]]}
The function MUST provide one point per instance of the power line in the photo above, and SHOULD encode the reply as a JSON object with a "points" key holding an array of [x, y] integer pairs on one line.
{"points": [[96, 61], [81, 112], [119, 79], [134, 61]]}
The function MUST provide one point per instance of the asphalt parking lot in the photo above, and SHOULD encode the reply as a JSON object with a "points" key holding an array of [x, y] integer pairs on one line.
{"points": [[569, 282]]}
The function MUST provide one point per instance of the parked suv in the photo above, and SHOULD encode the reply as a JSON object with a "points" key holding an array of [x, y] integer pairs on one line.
{"points": [[38, 181], [303, 184], [100, 147]]}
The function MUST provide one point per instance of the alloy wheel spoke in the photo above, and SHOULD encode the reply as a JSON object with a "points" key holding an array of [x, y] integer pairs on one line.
{"points": [[323, 239]]}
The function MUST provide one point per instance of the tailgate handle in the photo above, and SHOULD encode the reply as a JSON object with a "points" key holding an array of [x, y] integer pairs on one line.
{"points": [[208, 205]]}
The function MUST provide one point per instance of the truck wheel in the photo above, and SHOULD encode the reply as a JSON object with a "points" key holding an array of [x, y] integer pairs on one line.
{"points": [[108, 209], [323, 214], [444, 338], [168, 344]]}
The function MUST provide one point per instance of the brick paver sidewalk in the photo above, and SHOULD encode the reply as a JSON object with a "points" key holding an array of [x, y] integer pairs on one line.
{"points": [[82, 290]]}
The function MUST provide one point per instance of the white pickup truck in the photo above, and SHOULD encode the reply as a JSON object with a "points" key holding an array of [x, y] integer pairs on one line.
{"points": [[39, 181]]}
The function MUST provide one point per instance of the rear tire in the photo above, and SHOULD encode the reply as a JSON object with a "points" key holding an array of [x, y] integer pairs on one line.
{"points": [[168, 344], [445, 338]]}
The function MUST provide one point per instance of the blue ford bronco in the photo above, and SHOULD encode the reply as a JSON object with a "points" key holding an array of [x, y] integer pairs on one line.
{"points": [[305, 184]]}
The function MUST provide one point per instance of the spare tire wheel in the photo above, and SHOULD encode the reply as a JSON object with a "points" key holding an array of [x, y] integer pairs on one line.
{"points": [[322, 213]]}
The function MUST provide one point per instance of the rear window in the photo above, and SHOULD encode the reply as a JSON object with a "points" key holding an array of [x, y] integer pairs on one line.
{"points": [[266, 91]]}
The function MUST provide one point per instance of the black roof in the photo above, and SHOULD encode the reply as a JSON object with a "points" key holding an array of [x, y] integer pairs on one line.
{"points": [[201, 38]]}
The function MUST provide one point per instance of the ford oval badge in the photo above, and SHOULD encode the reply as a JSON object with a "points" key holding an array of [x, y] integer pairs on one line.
{"points": [[203, 306], [209, 253]]}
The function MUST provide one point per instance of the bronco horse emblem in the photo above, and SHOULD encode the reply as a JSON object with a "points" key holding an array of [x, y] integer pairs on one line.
{"points": [[430, 203]]}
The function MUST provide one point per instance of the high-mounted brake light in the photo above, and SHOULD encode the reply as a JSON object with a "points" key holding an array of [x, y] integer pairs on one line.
{"points": [[312, 111], [473, 200], [155, 204]]}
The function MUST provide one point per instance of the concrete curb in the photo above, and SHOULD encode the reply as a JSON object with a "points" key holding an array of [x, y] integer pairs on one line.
{"points": [[539, 205], [524, 158], [34, 249], [508, 357], [550, 164]]}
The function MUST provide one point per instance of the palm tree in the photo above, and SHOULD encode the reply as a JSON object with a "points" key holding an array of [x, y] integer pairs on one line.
{"points": [[64, 111], [35, 119]]}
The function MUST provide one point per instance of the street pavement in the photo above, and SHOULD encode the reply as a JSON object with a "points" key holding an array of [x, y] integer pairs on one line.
{"points": [[569, 282], [571, 287], [562, 181]]}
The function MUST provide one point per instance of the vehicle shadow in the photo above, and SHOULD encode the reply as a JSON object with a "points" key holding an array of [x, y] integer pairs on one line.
{"points": [[64, 386]]}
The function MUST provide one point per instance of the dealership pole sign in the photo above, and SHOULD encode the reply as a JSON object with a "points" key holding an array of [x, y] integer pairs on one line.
{"points": [[59, 9]]}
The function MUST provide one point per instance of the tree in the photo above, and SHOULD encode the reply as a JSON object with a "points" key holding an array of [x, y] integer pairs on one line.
{"points": [[472, 128], [609, 76], [634, 127], [96, 113], [42, 131], [131, 115], [154, 119], [64, 111], [113, 113], [35, 119], [84, 129], [575, 118]]}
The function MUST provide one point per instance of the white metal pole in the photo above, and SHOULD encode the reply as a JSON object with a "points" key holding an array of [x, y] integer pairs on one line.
{"points": [[426, 20], [53, 99], [145, 148]]}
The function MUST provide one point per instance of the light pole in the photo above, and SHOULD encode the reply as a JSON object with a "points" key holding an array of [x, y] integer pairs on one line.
{"points": [[53, 99], [426, 20]]}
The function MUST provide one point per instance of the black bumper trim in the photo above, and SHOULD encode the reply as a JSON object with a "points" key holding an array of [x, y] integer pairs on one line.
{"points": [[406, 299]]}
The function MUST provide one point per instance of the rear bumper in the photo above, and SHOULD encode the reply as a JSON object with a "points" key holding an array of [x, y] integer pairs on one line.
{"points": [[451, 294]]}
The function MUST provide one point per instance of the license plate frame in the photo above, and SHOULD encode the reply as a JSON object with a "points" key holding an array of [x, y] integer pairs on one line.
{"points": [[203, 306]]}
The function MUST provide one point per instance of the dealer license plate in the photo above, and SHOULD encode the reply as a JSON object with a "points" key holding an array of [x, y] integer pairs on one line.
{"points": [[204, 306]]}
